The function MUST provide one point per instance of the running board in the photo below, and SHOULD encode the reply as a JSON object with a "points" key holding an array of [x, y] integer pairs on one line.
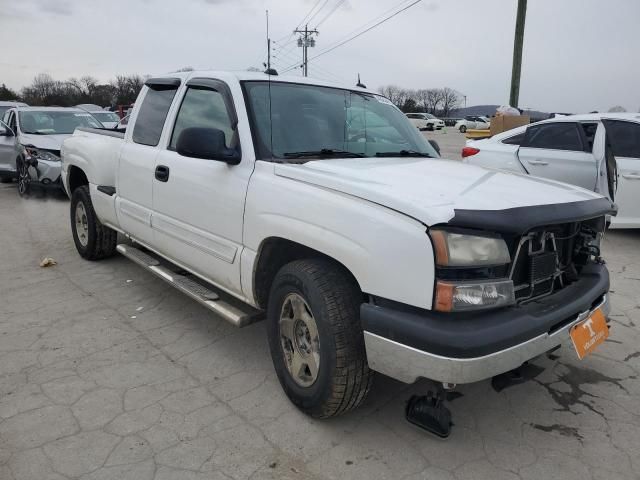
{"points": [[232, 310]]}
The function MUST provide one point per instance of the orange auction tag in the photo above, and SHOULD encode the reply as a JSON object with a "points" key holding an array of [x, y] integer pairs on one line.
{"points": [[589, 333]]}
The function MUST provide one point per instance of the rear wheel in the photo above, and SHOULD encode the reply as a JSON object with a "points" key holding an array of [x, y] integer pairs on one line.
{"points": [[316, 339], [24, 178], [7, 179], [463, 128], [93, 240]]}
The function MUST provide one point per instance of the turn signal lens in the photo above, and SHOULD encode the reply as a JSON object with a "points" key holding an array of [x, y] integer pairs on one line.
{"points": [[466, 296]]}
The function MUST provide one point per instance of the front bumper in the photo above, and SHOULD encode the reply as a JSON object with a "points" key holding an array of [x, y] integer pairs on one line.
{"points": [[46, 172], [464, 348]]}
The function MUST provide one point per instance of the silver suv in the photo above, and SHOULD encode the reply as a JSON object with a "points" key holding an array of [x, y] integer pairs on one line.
{"points": [[30, 142]]}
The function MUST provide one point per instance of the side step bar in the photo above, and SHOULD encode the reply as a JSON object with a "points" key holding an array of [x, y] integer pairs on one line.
{"points": [[232, 310]]}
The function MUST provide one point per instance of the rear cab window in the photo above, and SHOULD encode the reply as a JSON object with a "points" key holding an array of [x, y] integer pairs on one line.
{"points": [[153, 111]]}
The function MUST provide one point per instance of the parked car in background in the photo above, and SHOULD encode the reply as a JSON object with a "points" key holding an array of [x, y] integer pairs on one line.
{"points": [[4, 106], [322, 210], [425, 121], [599, 152], [472, 122], [89, 107], [121, 126], [31, 149], [106, 118]]}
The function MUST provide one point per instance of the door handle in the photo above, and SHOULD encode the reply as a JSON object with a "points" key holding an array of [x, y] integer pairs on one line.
{"points": [[538, 162], [162, 173], [631, 176]]}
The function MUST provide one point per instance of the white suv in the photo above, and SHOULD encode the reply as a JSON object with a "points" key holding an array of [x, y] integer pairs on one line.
{"points": [[425, 121]]}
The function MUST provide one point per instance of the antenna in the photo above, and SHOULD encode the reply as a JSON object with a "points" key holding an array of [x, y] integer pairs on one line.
{"points": [[360, 84], [268, 43]]}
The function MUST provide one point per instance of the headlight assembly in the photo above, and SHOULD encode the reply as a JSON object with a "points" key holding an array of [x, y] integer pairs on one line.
{"points": [[462, 250], [459, 253], [40, 154]]}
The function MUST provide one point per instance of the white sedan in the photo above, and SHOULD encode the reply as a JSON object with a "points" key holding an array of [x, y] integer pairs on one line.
{"points": [[471, 122], [425, 121], [600, 152]]}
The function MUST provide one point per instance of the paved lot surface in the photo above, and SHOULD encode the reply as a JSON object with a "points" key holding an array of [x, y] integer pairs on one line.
{"points": [[107, 373], [450, 140]]}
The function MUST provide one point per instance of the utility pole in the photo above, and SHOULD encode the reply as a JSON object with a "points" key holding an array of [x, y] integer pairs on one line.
{"points": [[517, 53], [305, 41]]}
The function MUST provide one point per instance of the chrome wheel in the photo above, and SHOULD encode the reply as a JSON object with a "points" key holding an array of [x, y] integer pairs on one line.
{"points": [[82, 226], [299, 339], [24, 179]]}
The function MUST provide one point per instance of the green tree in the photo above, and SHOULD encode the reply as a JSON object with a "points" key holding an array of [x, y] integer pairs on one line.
{"points": [[7, 94]]}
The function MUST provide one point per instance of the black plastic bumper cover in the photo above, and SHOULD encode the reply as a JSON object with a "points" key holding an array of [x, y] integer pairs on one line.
{"points": [[470, 335]]}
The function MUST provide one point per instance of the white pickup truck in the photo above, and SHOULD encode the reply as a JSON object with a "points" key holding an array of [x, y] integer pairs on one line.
{"points": [[322, 209]]}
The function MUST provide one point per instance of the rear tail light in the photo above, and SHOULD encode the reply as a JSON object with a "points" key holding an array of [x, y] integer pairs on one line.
{"points": [[469, 151]]}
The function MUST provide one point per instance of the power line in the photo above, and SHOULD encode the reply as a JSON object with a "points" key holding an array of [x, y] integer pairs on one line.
{"points": [[335, 7], [365, 31], [317, 11], [330, 49], [304, 19]]}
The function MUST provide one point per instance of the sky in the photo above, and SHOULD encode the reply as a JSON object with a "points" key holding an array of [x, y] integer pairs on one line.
{"points": [[579, 55]]}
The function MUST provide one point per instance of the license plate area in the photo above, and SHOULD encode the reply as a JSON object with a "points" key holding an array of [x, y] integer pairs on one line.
{"points": [[588, 334]]}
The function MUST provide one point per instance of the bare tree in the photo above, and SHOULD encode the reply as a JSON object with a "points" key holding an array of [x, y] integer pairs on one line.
{"points": [[397, 95], [450, 100], [617, 109], [421, 98], [435, 97], [126, 88]]}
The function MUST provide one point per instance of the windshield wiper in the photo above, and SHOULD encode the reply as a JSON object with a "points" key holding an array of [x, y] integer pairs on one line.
{"points": [[403, 153], [325, 152], [35, 133]]}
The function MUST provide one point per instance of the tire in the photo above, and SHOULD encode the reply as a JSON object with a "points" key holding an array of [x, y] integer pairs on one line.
{"points": [[24, 178], [6, 179], [333, 300], [463, 128], [93, 240]]}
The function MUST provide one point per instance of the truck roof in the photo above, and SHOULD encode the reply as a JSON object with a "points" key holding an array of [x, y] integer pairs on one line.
{"points": [[246, 75]]}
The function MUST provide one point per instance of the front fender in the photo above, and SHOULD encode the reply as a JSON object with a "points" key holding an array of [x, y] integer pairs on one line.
{"points": [[388, 253]]}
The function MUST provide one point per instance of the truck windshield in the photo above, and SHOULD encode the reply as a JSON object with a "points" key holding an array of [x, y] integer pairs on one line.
{"points": [[305, 121], [55, 122]]}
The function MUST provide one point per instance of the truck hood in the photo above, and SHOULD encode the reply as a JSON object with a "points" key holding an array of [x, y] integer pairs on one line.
{"points": [[48, 142], [431, 190]]}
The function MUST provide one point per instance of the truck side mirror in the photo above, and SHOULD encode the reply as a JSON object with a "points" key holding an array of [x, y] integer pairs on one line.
{"points": [[435, 146], [206, 143]]}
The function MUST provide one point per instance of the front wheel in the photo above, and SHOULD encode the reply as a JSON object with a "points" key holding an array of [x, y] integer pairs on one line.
{"points": [[24, 178], [93, 240], [463, 128], [315, 337]]}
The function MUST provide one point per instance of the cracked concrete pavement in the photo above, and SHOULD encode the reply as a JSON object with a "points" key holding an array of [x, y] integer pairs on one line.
{"points": [[108, 373]]}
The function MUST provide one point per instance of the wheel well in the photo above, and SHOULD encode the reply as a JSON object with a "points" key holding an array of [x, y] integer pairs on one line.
{"points": [[275, 253], [77, 178]]}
